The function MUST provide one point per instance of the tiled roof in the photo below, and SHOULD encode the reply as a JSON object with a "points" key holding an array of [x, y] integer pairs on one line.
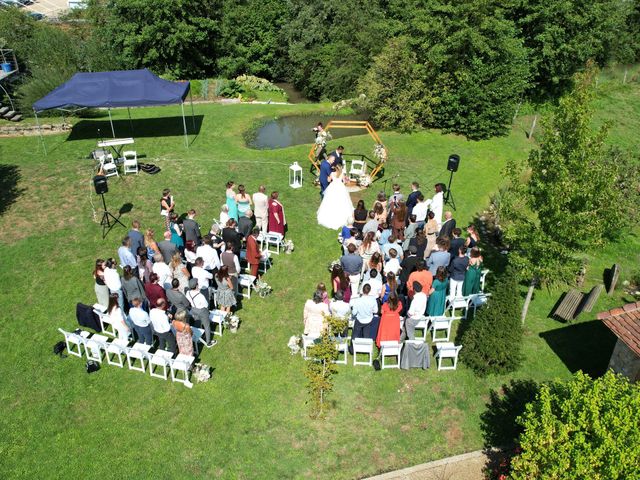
{"points": [[624, 322]]}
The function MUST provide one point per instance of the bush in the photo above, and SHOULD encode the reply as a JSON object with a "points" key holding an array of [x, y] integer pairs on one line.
{"points": [[492, 342], [583, 428]]}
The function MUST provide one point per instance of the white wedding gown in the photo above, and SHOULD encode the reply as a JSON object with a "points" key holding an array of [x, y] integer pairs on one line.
{"points": [[336, 209]]}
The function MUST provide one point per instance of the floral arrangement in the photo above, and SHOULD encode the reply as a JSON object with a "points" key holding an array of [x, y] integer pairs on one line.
{"points": [[262, 288], [380, 152], [364, 180], [232, 322], [288, 246], [330, 265], [322, 137], [202, 372]]}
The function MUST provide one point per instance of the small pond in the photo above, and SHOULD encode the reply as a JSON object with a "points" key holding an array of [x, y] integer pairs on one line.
{"points": [[298, 130]]}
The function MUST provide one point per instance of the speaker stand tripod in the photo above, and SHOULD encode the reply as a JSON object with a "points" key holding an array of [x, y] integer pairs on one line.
{"points": [[108, 220], [448, 198]]}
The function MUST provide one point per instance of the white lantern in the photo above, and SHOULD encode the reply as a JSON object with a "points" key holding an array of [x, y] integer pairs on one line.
{"points": [[295, 175]]}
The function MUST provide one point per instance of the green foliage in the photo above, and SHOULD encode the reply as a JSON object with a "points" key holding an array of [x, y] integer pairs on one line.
{"points": [[581, 429], [321, 367], [493, 340]]}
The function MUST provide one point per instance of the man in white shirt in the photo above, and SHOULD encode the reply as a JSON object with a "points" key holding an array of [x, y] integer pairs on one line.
{"points": [[162, 270], [416, 311], [260, 208], [437, 203], [126, 257], [202, 276], [200, 310], [393, 265], [420, 211], [162, 327], [375, 284], [209, 255], [141, 322], [112, 281], [364, 309]]}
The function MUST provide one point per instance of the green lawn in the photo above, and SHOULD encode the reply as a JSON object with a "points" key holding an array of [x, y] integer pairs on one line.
{"points": [[250, 420]]}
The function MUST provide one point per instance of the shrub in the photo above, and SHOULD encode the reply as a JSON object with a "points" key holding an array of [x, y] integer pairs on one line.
{"points": [[583, 428], [492, 342]]}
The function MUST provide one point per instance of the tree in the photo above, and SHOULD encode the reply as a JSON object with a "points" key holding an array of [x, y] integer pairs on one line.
{"points": [[573, 194], [493, 340], [583, 428]]}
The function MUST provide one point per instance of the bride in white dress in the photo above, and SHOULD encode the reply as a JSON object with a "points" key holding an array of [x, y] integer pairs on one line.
{"points": [[336, 209]]}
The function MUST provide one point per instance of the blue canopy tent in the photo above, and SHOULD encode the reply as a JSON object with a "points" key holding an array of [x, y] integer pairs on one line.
{"points": [[124, 88]]}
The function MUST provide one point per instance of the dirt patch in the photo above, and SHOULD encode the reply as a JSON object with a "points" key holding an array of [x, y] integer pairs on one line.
{"points": [[454, 435]]}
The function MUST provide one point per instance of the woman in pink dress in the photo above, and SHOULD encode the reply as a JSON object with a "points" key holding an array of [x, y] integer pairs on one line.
{"points": [[277, 220]]}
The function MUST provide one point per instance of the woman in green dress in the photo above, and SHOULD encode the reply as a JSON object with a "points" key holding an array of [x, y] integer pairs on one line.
{"points": [[471, 283], [438, 294]]}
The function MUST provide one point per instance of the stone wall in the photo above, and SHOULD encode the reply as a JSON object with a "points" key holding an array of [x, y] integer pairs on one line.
{"points": [[19, 130], [625, 361]]}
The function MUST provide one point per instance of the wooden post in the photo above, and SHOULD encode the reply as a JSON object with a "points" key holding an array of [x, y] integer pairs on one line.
{"points": [[533, 126]]}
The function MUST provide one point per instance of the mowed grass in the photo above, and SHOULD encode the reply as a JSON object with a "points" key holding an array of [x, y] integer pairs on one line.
{"points": [[250, 420]]}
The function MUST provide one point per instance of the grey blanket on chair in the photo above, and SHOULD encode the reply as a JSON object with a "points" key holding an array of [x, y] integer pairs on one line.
{"points": [[415, 355]]}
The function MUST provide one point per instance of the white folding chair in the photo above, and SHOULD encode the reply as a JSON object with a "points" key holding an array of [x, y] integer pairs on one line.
{"points": [[130, 164], [358, 167], [457, 303], [246, 281], [447, 350], [265, 260], [182, 363], [342, 345], [105, 323], [115, 352], [307, 341], [483, 278], [197, 336], [440, 324], [108, 166], [390, 348], [273, 239], [139, 352], [423, 324], [477, 300], [73, 339], [217, 318], [94, 346], [362, 345], [162, 360]]}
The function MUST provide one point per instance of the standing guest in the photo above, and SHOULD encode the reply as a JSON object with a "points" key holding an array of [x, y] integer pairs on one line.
{"points": [[398, 219], [337, 156], [261, 209], [411, 231], [176, 297], [420, 211], [392, 242], [203, 276], [277, 219], [191, 228], [167, 248], [324, 176], [420, 242], [102, 291], [393, 264], [209, 255], [456, 242], [245, 224], [352, 265], [416, 311], [224, 214], [176, 232], [446, 230], [360, 216], [167, 206], [132, 286], [226, 290], [375, 283], [137, 239], [216, 237], [472, 239], [364, 309], [412, 199], [112, 280], [190, 254], [162, 327], [184, 334], [339, 307], [380, 207], [200, 310], [340, 283], [253, 252], [314, 315], [374, 263], [368, 247], [116, 317], [438, 293], [436, 205], [124, 253], [396, 197], [441, 257], [150, 243], [473, 274], [321, 287], [232, 205], [389, 329], [371, 225], [457, 271], [243, 200], [154, 291], [390, 287], [163, 271], [229, 259], [145, 266], [408, 264], [179, 272], [141, 322], [431, 232], [422, 276], [231, 236]]}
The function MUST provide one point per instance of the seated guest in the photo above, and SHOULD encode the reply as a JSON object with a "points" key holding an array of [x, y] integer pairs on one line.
{"points": [[339, 307], [360, 215], [314, 314], [154, 291], [200, 310], [162, 270], [441, 257], [253, 252], [167, 248], [457, 270], [393, 264], [416, 311], [116, 317], [176, 297], [455, 243], [145, 266], [389, 329], [438, 293], [184, 334], [132, 286], [422, 276], [245, 224], [364, 309], [162, 327], [141, 322], [340, 283]]}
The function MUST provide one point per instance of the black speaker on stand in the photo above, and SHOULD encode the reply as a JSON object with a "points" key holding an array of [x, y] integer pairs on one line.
{"points": [[452, 165], [108, 221]]}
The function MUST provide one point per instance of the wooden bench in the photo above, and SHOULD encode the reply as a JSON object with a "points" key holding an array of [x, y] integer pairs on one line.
{"points": [[568, 307], [611, 278], [591, 299]]}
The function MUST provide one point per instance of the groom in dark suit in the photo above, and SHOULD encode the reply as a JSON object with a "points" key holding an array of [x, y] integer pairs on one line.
{"points": [[325, 173]]}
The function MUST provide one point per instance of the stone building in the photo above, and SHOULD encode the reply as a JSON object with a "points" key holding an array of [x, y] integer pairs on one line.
{"points": [[624, 322]]}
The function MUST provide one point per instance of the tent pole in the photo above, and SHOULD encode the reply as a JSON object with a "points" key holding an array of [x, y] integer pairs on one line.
{"points": [[130, 122], [184, 124], [111, 122], [193, 118], [40, 132]]}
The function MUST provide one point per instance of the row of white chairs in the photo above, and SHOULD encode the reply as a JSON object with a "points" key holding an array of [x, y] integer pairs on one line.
{"points": [[139, 358], [465, 304], [110, 168]]}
